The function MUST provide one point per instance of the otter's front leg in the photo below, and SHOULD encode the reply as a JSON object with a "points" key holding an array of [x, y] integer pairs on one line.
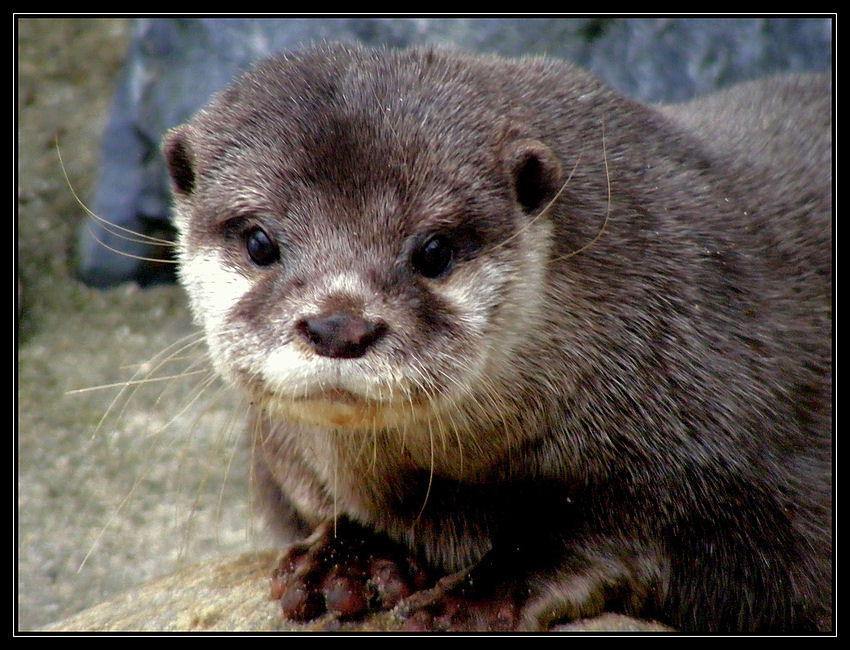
{"points": [[520, 587], [346, 571]]}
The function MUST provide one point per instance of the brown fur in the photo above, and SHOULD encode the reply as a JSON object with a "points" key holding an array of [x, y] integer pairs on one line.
{"points": [[625, 368]]}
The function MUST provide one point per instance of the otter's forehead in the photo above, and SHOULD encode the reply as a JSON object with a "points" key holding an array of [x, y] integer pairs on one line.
{"points": [[357, 113]]}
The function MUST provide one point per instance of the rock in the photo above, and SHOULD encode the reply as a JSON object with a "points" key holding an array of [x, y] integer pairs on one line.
{"points": [[232, 595]]}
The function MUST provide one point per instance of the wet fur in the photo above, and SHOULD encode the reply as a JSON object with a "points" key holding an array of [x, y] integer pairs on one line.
{"points": [[647, 418]]}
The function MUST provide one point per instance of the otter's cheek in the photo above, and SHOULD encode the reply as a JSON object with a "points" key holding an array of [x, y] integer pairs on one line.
{"points": [[214, 289]]}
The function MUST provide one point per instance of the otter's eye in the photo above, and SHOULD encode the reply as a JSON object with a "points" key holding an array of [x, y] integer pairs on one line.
{"points": [[434, 257], [261, 248]]}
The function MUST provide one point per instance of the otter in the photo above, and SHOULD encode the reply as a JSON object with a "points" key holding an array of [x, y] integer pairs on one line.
{"points": [[501, 324]]}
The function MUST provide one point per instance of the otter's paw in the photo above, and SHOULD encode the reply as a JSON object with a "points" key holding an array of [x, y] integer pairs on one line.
{"points": [[347, 571], [465, 602], [532, 590]]}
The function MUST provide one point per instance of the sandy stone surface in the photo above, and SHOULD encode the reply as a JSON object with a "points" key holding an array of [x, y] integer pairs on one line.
{"points": [[159, 483]]}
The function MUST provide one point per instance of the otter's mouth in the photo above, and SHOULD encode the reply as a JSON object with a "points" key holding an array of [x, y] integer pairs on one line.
{"points": [[331, 395], [336, 396], [341, 408]]}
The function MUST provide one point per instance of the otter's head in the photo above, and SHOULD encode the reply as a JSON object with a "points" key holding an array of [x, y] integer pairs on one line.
{"points": [[361, 237]]}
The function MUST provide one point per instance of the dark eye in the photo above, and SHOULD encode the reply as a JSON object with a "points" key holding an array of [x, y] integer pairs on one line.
{"points": [[261, 248], [434, 257]]}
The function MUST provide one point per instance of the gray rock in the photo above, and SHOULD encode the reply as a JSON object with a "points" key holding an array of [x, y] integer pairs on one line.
{"points": [[174, 65]]}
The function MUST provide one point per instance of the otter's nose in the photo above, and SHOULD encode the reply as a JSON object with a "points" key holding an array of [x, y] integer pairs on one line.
{"points": [[340, 335]]}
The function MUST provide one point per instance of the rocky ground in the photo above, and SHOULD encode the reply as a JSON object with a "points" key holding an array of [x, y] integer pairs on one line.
{"points": [[140, 495]]}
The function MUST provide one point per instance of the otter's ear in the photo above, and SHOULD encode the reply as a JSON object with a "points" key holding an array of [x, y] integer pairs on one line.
{"points": [[535, 171], [176, 147]]}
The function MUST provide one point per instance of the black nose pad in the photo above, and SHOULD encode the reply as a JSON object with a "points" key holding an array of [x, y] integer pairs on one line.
{"points": [[340, 335]]}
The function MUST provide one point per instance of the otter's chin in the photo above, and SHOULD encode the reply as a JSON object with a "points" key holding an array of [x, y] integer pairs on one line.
{"points": [[342, 409]]}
